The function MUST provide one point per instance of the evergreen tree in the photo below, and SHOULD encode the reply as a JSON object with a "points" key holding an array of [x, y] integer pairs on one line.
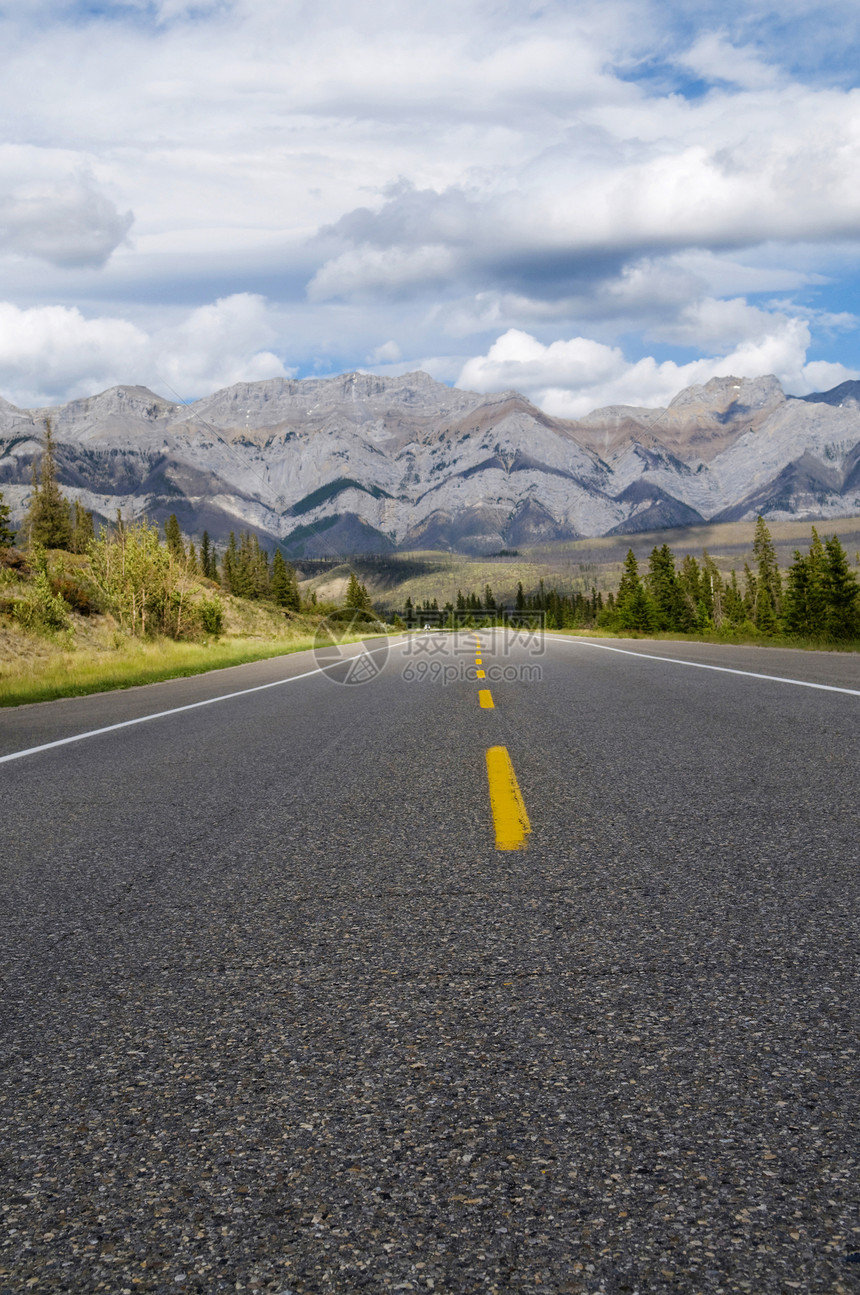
{"points": [[230, 564], [843, 593], [665, 590], [806, 594], [205, 554], [83, 529], [734, 604], [173, 537], [521, 598], [7, 535], [357, 597], [284, 586], [48, 522], [768, 603], [750, 594], [696, 608], [766, 619], [634, 610]]}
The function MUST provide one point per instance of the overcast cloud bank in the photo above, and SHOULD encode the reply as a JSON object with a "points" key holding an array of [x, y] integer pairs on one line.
{"points": [[596, 204]]}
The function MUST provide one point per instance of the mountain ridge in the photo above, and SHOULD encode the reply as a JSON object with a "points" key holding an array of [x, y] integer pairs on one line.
{"points": [[321, 464]]}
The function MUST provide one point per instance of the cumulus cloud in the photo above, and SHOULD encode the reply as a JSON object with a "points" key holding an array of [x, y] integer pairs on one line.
{"points": [[67, 221], [714, 58], [219, 344], [389, 269], [572, 377], [406, 175], [49, 354]]}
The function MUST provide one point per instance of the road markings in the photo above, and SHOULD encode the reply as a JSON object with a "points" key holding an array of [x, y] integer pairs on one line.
{"points": [[479, 660], [482, 674], [175, 710], [700, 665], [485, 699], [509, 812]]}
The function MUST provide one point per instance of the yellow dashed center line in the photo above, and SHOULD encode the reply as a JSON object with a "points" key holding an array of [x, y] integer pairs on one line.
{"points": [[485, 699], [479, 660], [482, 674], [509, 812]]}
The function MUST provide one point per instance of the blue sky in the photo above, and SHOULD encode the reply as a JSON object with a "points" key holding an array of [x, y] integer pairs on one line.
{"points": [[596, 203]]}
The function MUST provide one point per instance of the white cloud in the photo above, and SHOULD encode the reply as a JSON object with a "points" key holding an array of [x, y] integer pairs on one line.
{"points": [[219, 344], [390, 269], [388, 353], [435, 171], [53, 353], [66, 220], [714, 58], [571, 378]]}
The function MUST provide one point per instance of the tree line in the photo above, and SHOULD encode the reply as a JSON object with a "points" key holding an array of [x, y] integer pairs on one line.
{"points": [[243, 568], [819, 597]]}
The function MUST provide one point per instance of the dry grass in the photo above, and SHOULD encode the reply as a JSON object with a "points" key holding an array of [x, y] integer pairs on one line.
{"points": [[94, 656], [42, 676]]}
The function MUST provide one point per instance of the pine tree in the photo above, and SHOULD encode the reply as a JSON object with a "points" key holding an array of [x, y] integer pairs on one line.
{"points": [[173, 536], [750, 594], [806, 594], [734, 604], [357, 597], [663, 585], [768, 603], [842, 591], [83, 529], [634, 610], [205, 554], [230, 564], [284, 586], [48, 522], [7, 535]]}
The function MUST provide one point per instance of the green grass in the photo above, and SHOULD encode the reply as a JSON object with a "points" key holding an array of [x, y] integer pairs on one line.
{"points": [[75, 674], [725, 640]]}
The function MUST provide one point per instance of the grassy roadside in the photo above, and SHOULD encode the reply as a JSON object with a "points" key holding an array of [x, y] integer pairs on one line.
{"points": [[98, 660], [74, 674], [718, 640]]}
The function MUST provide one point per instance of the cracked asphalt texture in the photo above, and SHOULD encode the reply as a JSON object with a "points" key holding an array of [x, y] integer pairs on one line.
{"points": [[277, 1017]]}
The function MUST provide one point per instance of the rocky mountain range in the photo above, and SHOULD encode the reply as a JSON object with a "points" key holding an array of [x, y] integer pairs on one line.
{"points": [[360, 463]]}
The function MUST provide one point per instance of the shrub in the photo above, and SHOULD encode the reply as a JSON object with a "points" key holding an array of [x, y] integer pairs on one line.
{"points": [[76, 594], [41, 610], [211, 613]]}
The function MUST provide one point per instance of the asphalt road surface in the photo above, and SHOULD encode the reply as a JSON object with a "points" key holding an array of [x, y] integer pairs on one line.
{"points": [[278, 1016]]}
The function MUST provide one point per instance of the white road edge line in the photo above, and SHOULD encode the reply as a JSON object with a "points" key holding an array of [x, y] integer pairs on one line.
{"points": [[700, 665], [176, 710]]}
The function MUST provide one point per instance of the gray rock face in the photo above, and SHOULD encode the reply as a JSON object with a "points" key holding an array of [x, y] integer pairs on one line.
{"points": [[357, 462]]}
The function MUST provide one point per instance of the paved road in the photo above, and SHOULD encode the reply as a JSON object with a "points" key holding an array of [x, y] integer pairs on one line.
{"points": [[278, 1016]]}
